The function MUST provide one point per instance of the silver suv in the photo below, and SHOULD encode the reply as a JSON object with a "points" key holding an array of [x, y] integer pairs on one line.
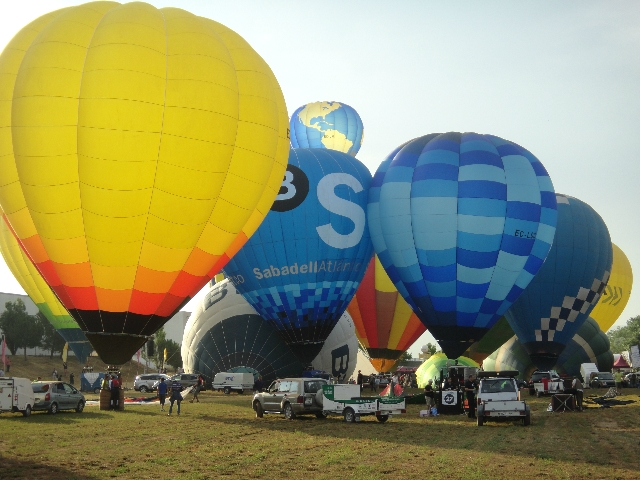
{"points": [[56, 396], [291, 397], [185, 379], [145, 383]]}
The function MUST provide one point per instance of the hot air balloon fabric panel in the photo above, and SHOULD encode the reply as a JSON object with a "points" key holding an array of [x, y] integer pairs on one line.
{"points": [[129, 134], [32, 282], [493, 340], [567, 287], [331, 125], [588, 345], [510, 356], [225, 332], [385, 324], [616, 294], [466, 221], [430, 369], [303, 265]]}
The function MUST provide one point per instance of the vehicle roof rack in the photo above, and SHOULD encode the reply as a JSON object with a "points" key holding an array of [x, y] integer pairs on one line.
{"points": [[504, 373]]}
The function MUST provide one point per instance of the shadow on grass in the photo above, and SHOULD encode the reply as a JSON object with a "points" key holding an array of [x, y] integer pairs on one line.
{"points": [[12, 468]]}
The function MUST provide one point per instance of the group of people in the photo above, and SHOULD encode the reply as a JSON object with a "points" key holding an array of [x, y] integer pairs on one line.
{"points": [[176, 393], [406, 380]]}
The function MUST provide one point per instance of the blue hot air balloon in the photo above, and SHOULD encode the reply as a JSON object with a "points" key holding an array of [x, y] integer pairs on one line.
{"points": [[304, 263], [461, 222], [331, 125], [567, 287]]}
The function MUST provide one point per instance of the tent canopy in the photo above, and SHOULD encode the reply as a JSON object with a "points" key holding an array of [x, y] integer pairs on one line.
{"points": [[621, 363]]}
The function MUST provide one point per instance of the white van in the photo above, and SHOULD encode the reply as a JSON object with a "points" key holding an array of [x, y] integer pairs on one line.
{"points": [[227, 381], [586, 371], [16, 395]]}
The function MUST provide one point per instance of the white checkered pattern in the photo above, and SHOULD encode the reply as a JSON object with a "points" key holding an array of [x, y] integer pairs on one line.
{"points": [[570, 309]]}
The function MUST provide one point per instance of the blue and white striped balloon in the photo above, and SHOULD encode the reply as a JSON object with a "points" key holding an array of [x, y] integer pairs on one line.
{"points": [[461, 222]]}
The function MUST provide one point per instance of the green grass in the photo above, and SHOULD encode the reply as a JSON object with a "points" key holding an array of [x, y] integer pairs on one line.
{"points": [[221, 438]]}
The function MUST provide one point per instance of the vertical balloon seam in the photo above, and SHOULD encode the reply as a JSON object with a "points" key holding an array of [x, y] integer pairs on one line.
{"points": [[47, 20]]}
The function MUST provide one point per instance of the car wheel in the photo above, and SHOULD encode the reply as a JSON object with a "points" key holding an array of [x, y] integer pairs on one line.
{"points": [[227, 390], [526, 421], [80, 407], [53, 409], [538, 394], [321, 415], [480, 416], [349, 415], [96, 390], [382, 418], [27, 411], [288, 412], [257, 406], [240, 392], [143, 389]]}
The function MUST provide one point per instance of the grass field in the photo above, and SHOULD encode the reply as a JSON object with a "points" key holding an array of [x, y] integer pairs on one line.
{"points": [[221, 438]]}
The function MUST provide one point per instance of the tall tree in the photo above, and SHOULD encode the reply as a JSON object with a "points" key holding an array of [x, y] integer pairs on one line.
{"points": [[51, 339], [622, 338], [21, 329], [174, 357], [431, 349]]}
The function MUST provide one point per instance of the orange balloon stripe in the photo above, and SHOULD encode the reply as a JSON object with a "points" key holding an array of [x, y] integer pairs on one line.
{"points": [[354, 311], [186, 283], [197, 262], [414, 329], [113, 300], [82, 298], [153, 281], [366, 295], [145, 303]]}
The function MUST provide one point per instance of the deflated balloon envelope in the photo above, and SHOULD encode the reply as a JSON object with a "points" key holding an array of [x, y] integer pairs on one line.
{"points": [[331, 125], [303, 265], [385, 324], [567, 287], [32, 282], [142, 147], [430, 369], [225, 334], [461, 222]]}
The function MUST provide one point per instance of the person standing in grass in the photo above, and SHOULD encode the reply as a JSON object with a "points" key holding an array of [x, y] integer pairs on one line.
{"points": [[577, 385], [470, 390], [8, 364], [196, 389], [176, 387], [115, 393], [428, 394], [162, 393]]}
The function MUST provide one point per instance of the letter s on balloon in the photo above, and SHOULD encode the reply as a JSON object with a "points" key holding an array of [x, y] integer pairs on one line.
{"points": [[329, 200]]}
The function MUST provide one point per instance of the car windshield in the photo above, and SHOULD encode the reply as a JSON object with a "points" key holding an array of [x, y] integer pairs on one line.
{"points": [[605, 376], [40, 387], [288, 386], [497, 385], [312, 387], [539, 376]]}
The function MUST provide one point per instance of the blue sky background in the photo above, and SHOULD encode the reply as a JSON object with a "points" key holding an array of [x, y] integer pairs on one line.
{"points": [[561, 79]]}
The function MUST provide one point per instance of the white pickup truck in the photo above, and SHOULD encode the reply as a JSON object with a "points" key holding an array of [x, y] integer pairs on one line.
{"points": [[499, 397], [345, 400]]}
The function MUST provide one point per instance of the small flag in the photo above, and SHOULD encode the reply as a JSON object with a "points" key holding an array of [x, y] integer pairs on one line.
{"points": [[165, 354], [138, 356], [65, 349]]}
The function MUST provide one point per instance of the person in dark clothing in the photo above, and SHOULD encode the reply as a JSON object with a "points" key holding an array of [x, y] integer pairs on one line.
{"points": [[258, 385], [71, 378], [470, 390], [359, 378], [176, 387], [372, 382], [162, 393], [428, 394], [196, 389], [115, 393]]}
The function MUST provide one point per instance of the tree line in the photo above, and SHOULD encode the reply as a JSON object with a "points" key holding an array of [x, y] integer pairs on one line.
{"points": [[622, 338], [22, 330], [160, 342]]}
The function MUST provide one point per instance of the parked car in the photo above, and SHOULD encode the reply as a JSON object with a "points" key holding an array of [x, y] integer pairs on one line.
{"points": [[56, 396], [145, 383], [537, 376], [602, 380], [185, 379], [291, 397], [498, 397]]}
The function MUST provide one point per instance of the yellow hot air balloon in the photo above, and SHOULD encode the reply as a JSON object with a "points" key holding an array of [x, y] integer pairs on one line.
{"points": [[32, 282], [139, 149], [617, 292], [385, 324]]}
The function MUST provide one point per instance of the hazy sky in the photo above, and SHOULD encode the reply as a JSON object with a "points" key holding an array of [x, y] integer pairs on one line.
{"points": [[562, 79]]}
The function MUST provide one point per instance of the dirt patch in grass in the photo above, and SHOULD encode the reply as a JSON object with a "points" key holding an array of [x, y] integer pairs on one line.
{"points": [[221, 438]]}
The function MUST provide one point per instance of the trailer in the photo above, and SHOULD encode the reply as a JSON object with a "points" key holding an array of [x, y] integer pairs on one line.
{"points": [[16, 395], [345, 400]]}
